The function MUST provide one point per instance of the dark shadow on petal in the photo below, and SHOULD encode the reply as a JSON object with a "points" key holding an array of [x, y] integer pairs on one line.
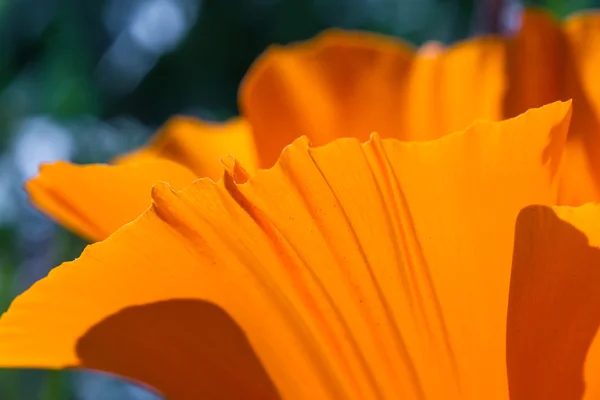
{"points": [[554, 307], [186, 349], [541, 68], [554, 150]]}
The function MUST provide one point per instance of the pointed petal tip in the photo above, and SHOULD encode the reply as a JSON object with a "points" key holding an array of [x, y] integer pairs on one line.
{"points": [[560, 109], [563, 107], [303, 141], [374, 136], [227, 161], [234, 169], [161, 190], [374, 140]]}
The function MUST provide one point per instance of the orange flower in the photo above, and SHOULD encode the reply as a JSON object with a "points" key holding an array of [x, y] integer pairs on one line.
{"points": [[389, 269], [385, 270], [348, 85]]}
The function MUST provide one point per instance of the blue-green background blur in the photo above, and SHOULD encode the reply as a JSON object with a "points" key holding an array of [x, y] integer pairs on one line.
{"points": [[85, 80]]}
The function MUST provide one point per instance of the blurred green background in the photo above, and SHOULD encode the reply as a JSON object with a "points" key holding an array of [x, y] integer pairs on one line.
{"points": [[85, 80]]}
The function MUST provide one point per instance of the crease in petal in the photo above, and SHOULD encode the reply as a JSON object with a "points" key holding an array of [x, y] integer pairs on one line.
{"points": [[378, 270], [198, 145], [95, 200]]}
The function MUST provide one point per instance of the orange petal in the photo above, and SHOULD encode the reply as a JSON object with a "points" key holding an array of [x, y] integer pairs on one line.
{"points": [[95, 200], [548, 63], [340, 83], [582, 173], [352, 84], [583, 33], [199, 145], [535, 63], [553, 344], [449, 90], [356, 271]]}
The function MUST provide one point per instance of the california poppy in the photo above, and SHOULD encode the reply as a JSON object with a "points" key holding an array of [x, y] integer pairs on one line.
{"points": [[345, 84], [382, 270], [389, 269]]}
